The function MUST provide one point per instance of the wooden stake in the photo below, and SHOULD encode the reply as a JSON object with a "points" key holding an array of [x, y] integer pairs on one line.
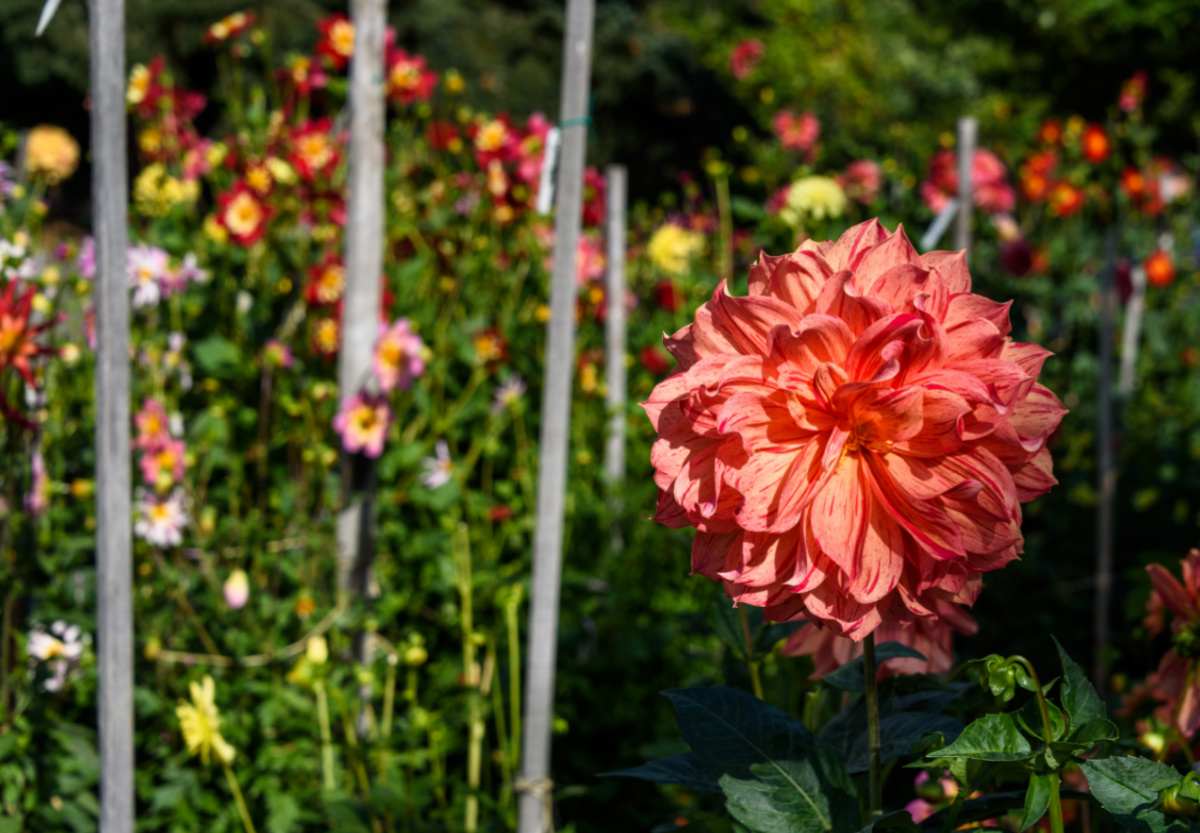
{"points": [[364, 265], [1106, 475], [536, 813], [968, 130], [114, 570], [614, 326]]}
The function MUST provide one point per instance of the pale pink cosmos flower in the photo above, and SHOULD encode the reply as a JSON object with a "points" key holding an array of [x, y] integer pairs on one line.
{"points": [[399, 356], [160, 521], [153, 425], [362, 423], [797, 132], [163, 465], [439, 468], [852, 440], [148, 268]]}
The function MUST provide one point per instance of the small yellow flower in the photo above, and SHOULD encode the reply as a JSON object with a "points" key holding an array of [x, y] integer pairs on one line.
{"points": [[139, 84], [214, 230], [69, 353], [454, 83], [81, 488], [150, 140], [41, 304], [281, 171], [542, 313], [201, 724]]}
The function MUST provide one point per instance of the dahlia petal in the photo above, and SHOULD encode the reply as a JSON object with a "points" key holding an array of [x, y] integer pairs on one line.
{"points": [[940, 410], [896, 285], [1036, 477], [816, 339], [746, 323], [712, 554], [1037, 415], [775, 487], [848, 250], [923, 519], [796, 279], [895, 251], [1173, 594], [972, 338], [881, 562], [969, 307], [951, 268], [1030, 357], [890, 415], [873, 350], [838, 516], [842, 299]]}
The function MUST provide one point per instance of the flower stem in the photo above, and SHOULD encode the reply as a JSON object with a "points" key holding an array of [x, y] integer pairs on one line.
{"points": [[326, 736], [871, 694], [1056, 817], [243, 810], [751, 662]]}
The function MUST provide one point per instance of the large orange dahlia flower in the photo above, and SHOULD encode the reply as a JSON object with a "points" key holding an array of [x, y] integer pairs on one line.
{"points": [[853, 439]]}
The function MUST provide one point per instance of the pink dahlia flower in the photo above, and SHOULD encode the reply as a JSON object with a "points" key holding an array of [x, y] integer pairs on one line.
{"points": [[932, 637], [1175, 685], [362, 423], [853, 440], [989, 182]]}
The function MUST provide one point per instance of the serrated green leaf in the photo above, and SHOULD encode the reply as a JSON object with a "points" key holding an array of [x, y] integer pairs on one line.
{"points": [[1079, 698], [993, 737], [1128, 787], [1037, 800], [850, 677], [782, 797]]}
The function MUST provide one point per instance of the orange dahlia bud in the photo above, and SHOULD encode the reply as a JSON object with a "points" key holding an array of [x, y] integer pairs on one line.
{"points": [[852, 440]]}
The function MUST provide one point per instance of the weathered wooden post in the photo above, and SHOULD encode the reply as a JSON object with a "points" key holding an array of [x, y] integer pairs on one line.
{"points": [[614, 325], [364, 265], [1106, 474], [968, 131], [114, 570], [536, 805]]}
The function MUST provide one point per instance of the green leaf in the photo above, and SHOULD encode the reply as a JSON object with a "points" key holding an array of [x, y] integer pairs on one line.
{"points": [[728, 732], [1128, 787], [218, 357], [993, 737], [851, 677], [1030, 718], [283, 812], [900, 733], [1037, 800], [783, 797], [896, 820], [1079, 697]]}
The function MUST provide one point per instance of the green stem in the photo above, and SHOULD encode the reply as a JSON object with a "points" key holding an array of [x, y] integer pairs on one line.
{"points": [[326, 737], [751, 662], [389, 695], [871, 694], [243, 810], [725, 259], [1056, 817]]}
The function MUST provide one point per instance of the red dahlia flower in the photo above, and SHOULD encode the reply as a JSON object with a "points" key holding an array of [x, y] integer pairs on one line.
{"points": [[1095, 144], [337, 40], [242, 214], [852, 441], [316, 151], [408, 78], [745, 57]]}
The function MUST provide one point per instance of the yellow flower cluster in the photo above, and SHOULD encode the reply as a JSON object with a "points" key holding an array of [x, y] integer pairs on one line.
{"points": [[50, 153], [813, 197], [156, 192], [672, 248]]}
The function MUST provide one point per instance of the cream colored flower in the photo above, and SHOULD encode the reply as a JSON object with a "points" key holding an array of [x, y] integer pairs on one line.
{"points": [[317, 650], [201, 724], [672, 247], [815, 198]]}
